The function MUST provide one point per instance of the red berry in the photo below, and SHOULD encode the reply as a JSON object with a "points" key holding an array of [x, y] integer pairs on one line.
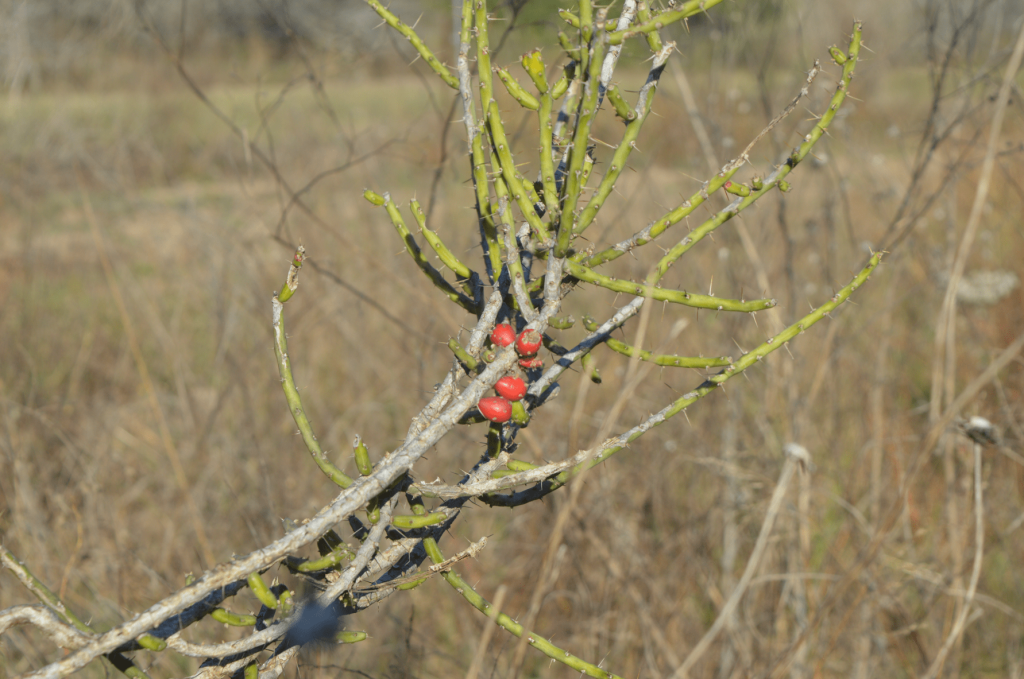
{"points": [[528, 343], [503, 335], [530, 363], [512, 388], [495, 409]]}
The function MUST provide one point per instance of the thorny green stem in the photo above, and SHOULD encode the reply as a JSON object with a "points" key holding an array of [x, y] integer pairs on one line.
{"points": [[291, 393], [510, 625]]}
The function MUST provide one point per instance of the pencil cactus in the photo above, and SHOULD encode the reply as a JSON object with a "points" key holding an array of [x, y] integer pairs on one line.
{"points": [[530, 230]]}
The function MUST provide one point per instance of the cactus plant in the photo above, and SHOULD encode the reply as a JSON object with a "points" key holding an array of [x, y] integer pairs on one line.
{"points": [[534, 257]]}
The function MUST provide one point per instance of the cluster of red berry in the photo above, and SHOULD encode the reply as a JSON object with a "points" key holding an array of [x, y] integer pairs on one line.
{"points": [[511, 388]]}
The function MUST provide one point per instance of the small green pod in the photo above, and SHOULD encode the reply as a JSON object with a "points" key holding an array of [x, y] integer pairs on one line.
{"points": [[252, 671], [563, 323], [737, 189], [573, 52], [260, 589], [589, 366], [362, 457], [525, 99], [520, 465], [622, 109], [351, 637], [151, 643], [374, 198], [533, 64], [519, 414], [226, 617], [412, 585], [784, 186], [411, 521], [569, 18], [286, 602], [837, 55]]}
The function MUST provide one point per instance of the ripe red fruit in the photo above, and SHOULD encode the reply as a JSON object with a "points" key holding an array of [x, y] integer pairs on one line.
{"points": [[495, 409], [503, 335], [528, 343], [530, 363], [512, 388]]}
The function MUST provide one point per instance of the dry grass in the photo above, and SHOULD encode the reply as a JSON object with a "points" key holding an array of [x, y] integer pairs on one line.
{"points": [[189, 221]]}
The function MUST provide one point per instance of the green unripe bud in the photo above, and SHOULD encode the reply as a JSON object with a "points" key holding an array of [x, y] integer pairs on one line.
{"points": [[737, 189]]}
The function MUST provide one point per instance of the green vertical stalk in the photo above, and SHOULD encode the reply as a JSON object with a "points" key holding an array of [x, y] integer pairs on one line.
{"points": [[510, 625], [483, 54], [512, 178], [291, 393], [625, 147], [581, 139]]}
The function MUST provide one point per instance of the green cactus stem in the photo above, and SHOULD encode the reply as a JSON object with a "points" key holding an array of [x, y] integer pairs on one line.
{"points": [[421, 261], [737, 189], [151, 643], [643, 13], [563, 323], [690, 299], [291, 283], [662, 19], [362, 457], [332, 559], [519, 414], [807, 321], [581, 139], [533, 64], [226, 617], [488, 228], [260, 589], [286, 602], [590, 367], [510, 625], [510, 174], [493, 440], [252, 671], [622, 109], [412, 522], [446, 256], [659, 226], [514, 467], [759, 187], [561, 85], [547, 164], [291, 394], [525, 99], [628, 143], [471, 364], [373, 511], [415, 41], [837, 55], [570, 18], [483, 52], [667, 359], [351, 637]]}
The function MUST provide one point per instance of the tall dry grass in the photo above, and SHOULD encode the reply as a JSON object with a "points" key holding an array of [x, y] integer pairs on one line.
{"points": [[193, 227]]}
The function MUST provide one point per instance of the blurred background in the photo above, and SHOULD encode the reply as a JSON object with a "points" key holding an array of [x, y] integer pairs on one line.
{"points": [[162, 159]]}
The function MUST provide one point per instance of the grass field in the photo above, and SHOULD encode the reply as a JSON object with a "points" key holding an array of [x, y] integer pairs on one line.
{"points": [[129, 165]]}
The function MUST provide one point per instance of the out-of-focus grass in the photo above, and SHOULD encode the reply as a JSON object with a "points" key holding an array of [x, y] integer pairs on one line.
{"points": [[188, 219]]}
